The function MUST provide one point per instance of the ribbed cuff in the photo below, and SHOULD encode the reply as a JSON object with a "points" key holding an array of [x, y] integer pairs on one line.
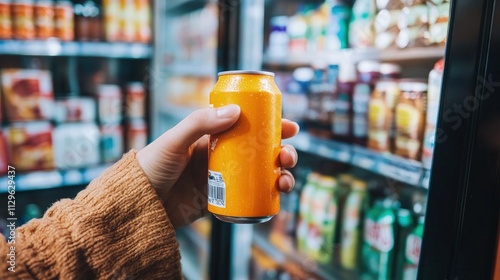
{"points": [[114, 229]]}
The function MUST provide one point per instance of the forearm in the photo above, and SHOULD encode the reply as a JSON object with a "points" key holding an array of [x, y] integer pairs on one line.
{"points": [[115, 228]]}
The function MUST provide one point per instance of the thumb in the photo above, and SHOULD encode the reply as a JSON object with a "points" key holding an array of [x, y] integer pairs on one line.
{"points": [[198, 123]]}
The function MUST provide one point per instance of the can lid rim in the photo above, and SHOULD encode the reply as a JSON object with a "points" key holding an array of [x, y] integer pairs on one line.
{"points": [[250, 72]]}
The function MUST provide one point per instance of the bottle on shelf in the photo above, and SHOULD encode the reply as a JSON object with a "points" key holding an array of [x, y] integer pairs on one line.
{"points": [[5, 19], [88, 20], [368, 75], [64, 20], [433, 96], [361, 33], [410, 118], [44, 19], [342, 119], [23, 19], [352, 224], [337, 29], [379, 240]]}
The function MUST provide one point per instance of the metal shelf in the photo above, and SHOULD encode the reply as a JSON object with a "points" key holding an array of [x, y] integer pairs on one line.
{"points": [[40, 180], [54, 47], [386, 164], [322, 271], [356, 55]]}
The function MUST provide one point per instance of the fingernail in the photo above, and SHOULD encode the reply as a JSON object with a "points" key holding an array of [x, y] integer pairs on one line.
{"points": [[228, 111], [292, 153]]}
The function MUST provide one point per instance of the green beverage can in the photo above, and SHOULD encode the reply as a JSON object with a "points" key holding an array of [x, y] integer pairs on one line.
{"points": [[404, 228], [355, 206], [379, 240], [412, 251], [305, 203], [323, 221]]}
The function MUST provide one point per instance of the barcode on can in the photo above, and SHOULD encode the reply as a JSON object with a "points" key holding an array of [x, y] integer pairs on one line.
{"points": [[216, 189]]}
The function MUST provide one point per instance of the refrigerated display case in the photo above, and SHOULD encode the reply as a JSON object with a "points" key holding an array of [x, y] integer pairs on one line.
{"points": [[68, 99], [383, 205]]}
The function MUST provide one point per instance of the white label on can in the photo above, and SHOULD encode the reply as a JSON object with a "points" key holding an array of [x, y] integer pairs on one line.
{"points": [[216, 189]]}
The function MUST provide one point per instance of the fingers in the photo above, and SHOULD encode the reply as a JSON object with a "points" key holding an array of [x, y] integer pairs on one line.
{"points": [[288, 159], [286, 181], [288, 156], [289, 128], [199, 123]]}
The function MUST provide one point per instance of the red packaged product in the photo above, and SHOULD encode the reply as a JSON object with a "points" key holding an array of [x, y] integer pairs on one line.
{"points": [[5, 20], [31, 146], [64, 21], [44, 19], [109, 100], [137, 135], [27, 94], [135, 100], [23, 19]]}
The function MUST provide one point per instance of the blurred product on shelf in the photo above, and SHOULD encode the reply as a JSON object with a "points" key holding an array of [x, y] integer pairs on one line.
{"points": [[333, 26], [297, 31], [5, 22], [318, 217], [381, 125], [433, 96], [75, 109], [410, 118], [386, 23], [64, 21], [413, 23], [343, 117], [411, 251], [135, 96], [87, 20], [317, 21], [379, 240], [337, 28], [278, 38], [355, 208], [305, 216], [189, 91], [112, 13], [88, 24], [361, 33], [44, 19], [142, 21], [439, 13], [371, 106], [4, 157], [31, 146], [294, 91], [195, 41], [27, 94], [76, 145], [22, 19], [368, 74], [323, 220], [111, 142], [137, 134], [402, 231], [127, 18], [109, 103], [263, 266]]}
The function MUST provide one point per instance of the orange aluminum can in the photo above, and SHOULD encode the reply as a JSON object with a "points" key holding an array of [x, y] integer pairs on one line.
{"points": [[243, 166]]}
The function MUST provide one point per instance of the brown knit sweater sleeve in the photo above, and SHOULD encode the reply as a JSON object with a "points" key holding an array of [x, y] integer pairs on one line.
{"points": [[116, 228]]}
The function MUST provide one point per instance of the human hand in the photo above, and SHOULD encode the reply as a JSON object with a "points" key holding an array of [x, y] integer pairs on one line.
{"points": [[176, 163]]}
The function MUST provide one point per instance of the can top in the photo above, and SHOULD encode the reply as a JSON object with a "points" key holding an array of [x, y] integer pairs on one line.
{"points": [[250, 72]]}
